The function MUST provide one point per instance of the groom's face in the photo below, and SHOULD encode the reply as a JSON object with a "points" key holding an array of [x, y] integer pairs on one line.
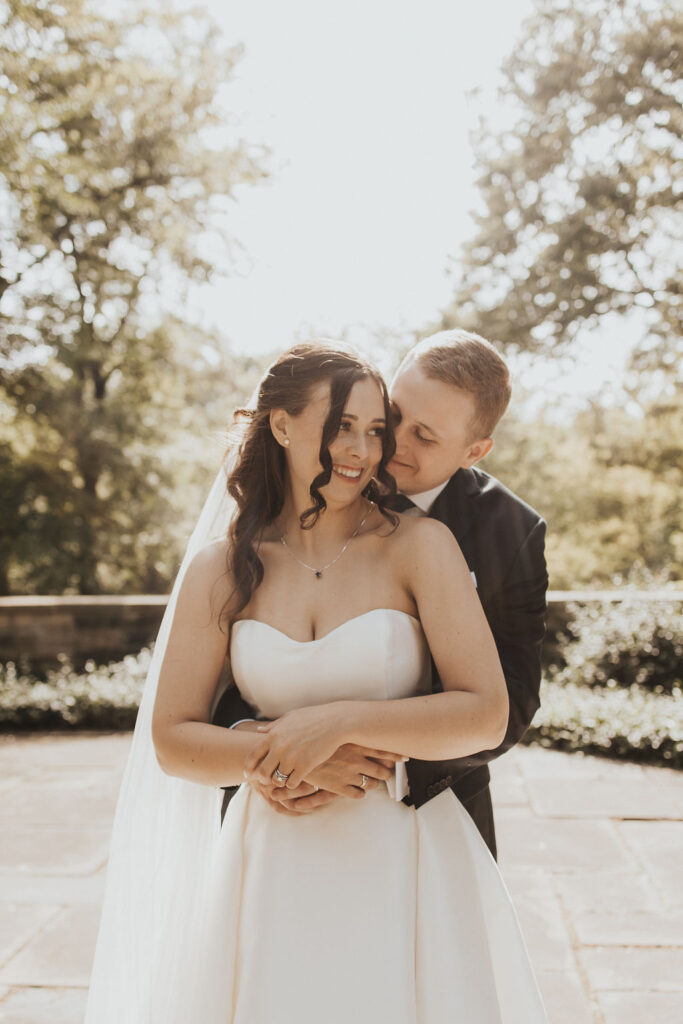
{"points": [[433, 431]]}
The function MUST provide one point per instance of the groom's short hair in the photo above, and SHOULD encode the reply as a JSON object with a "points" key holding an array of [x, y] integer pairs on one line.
{"points": [[472, 364]]}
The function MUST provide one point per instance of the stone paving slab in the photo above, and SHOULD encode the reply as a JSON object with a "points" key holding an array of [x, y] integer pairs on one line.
{"points": [[658, 847], [629, 928], [633, 969], [72, 797], [54, 850], [640, 1007], [60, 953], [61, 890], [589, 850], [558, 845], [43, 1006], [603, 798], [542, 919], [564, 996], [604, 890], [19, 922], [22, 752]]}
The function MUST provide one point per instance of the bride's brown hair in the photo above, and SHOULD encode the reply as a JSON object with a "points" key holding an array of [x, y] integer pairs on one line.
{"points": [[257, 483]]}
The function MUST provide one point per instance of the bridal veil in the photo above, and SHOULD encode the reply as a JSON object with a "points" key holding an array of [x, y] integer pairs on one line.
{"points": [[157, 899]]}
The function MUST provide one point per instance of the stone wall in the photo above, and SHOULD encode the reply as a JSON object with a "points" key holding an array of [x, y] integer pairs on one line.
{"points": [[34, 630]]}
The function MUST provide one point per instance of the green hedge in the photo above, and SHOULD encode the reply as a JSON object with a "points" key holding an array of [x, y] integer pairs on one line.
{"points": [[633, 722], [626, 722], [101, 697], [624, 642]]}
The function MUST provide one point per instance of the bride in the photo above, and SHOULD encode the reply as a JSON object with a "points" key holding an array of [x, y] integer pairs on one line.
{"points": [[327, 606]]}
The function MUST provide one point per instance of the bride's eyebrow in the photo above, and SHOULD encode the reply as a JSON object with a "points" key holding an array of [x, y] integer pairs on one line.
{"points": [[350, 416]]}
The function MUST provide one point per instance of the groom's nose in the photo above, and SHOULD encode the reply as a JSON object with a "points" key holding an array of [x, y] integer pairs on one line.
{"points": [[401, 436]]}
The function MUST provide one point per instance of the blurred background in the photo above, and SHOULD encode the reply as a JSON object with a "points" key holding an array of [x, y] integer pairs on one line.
{"points": [[185, 191]]}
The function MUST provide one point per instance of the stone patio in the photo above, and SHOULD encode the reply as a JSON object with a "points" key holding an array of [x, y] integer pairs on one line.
{"points": [[588, 847]]}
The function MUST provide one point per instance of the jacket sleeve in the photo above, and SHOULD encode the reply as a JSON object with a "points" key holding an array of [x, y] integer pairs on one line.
{"points": [[516, 615], [231, 707]]}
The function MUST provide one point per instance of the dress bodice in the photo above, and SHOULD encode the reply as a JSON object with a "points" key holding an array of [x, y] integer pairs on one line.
{"points": [[379, 655]]}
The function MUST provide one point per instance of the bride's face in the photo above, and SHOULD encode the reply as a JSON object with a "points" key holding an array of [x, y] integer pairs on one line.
{"points": [[356, 451]]}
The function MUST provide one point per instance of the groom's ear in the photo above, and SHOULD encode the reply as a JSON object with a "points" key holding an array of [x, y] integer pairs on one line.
{"points": [[476, 451]]}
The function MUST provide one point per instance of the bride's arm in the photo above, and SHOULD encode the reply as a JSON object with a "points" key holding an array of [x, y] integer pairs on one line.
{"points": [[470, 715], [472, 712], [186, 744]]}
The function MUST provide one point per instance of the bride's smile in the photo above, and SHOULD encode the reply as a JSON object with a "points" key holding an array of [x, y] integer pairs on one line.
{"points": [[355, 451]]}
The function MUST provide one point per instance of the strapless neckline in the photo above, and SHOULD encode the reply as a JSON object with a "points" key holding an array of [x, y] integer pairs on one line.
{"points": [[342, 625]]}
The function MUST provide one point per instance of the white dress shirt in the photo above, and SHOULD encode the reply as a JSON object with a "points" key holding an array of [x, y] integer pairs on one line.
{"points": [[424, 500]]}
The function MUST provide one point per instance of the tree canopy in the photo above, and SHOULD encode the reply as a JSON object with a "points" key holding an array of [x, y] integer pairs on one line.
{"points": [[116, 158], [580, 181]]}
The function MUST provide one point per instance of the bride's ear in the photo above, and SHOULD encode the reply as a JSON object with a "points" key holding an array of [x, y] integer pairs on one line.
{"points": [[278, 426]]}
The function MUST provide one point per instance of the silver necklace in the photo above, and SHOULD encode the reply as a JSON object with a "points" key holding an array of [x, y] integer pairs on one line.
{"points": [[318, 572]]}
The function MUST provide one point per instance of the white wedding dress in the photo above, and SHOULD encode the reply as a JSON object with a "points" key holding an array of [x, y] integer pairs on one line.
{"points": [[366, 911]]}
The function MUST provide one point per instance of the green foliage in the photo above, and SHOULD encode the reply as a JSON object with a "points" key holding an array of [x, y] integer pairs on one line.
{"points": [[102, 697], [622, 643], [579, 182], [112, 175], [608, 482], [621, 722]]}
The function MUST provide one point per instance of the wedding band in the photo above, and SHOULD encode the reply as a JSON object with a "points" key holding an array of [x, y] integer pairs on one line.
{"points": [[280, 776], [363, 781]]}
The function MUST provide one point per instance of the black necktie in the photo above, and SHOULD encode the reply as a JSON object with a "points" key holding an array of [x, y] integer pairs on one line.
{"points": [[401, 503]]}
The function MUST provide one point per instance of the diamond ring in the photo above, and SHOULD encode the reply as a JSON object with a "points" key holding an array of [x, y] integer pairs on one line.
{"points": [[280, 776]]}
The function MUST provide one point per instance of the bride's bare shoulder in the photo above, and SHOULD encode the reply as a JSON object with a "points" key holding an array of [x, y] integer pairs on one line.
{"points": [[421, 537], [210, 561], [421, 530], [208, 577]]}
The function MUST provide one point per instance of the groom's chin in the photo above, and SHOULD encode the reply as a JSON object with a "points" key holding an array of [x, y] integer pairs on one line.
{"points": [[401, 475]]}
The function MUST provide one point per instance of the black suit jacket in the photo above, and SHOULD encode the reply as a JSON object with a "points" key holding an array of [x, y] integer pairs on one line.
{"points": [[502, 540]]}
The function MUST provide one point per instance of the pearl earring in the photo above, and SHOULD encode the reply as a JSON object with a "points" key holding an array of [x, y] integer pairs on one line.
{"points": [[286, 441]]}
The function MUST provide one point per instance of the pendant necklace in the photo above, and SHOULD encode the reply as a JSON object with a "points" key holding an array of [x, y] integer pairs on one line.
{"points": [[319, 572]]}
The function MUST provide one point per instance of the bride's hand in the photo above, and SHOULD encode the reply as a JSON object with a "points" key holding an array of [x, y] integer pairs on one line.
{"points": [[296, 743]]}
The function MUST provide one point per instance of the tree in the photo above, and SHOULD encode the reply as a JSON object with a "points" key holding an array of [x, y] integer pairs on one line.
{"points": [[580, 216], [608, 481], [114, 168]]}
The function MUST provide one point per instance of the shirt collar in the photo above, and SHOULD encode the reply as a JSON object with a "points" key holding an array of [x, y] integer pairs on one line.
{"points": [[426, 499]]}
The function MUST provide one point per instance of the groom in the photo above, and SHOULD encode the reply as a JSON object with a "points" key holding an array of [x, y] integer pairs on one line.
{"points": [[448, 395]]}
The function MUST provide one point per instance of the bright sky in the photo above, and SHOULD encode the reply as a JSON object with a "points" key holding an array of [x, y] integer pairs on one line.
{"points": [[364, 106]]}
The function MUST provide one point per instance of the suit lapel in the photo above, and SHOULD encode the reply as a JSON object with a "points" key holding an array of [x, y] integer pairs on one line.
{"points": [[455, 506]]}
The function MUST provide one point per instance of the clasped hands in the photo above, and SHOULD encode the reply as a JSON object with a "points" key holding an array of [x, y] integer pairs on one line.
{"points": [[308, 745]]}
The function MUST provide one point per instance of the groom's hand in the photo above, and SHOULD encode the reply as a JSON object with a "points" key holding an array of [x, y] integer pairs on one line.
{"points": [[302, 800], [341, 775]]}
